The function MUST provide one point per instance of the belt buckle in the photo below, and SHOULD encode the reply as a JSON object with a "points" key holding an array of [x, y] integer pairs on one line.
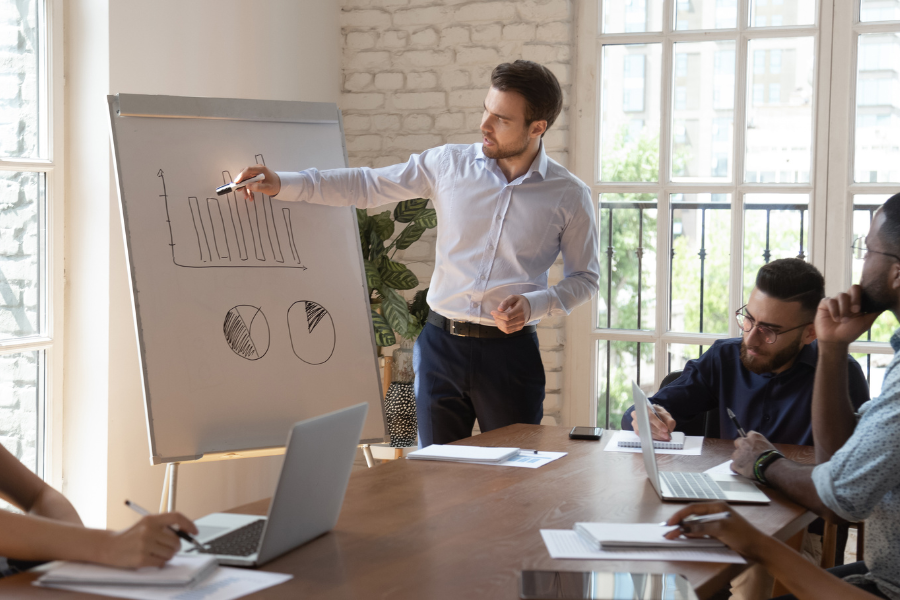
{"points": [[453, 331]]}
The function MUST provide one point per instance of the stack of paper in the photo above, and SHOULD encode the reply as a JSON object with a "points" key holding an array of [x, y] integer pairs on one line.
{"points": [[223, 583], [476, 454], [637, 535], [180, 571]]}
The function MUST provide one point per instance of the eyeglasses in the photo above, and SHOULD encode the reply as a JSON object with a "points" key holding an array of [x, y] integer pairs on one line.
{"points": [[747, 323], [860, 249]]}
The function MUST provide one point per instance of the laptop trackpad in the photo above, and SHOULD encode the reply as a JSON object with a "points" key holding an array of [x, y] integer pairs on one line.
{"points": [[736, 486], [208, 532]]}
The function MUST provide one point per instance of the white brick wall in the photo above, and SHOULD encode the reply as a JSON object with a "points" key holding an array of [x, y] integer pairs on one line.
{"points": [[415, 76], [20, 196]]}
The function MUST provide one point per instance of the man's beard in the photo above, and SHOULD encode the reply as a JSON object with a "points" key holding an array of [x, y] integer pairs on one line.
{"points": [[498, 152], [875, 298], [760, 365]]}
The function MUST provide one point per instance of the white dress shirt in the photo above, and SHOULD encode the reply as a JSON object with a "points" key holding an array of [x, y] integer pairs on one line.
{"points": [[494, 237]]}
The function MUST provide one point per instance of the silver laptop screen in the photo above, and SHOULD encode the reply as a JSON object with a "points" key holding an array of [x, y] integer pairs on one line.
{"points": [[642, 414]]}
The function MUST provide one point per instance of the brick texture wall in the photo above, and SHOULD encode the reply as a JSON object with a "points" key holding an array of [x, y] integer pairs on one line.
{"points": [[20, 196], [415, 76]]}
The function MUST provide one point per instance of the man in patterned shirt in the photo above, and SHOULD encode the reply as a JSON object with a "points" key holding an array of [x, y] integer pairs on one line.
{"points": [[858, 473]]}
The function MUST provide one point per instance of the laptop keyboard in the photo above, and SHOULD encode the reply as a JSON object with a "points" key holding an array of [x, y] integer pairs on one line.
{"points": [[692, 485], [240, 542]]}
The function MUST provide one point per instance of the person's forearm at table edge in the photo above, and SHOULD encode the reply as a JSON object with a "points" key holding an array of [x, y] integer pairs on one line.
{"points": [[804, 579], [833, 416], [795, 481]]}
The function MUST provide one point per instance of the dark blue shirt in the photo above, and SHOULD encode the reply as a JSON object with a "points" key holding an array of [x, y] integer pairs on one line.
{"points": [[777, 406]]}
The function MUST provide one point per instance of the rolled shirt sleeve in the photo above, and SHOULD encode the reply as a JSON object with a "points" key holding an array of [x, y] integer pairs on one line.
{"points": [[365, 187]]}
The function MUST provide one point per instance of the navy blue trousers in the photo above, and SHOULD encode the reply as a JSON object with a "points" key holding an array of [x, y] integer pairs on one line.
{"points": [[460, 379]]}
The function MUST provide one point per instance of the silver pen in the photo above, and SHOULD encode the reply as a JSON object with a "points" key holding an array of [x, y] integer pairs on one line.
{"points": [[690, 520]]}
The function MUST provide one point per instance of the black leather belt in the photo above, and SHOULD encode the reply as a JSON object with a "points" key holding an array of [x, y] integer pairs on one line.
{"points": [[475, 330]]}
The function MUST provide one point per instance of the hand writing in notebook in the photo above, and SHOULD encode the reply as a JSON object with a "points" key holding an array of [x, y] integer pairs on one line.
{"points": [[661, 426]]}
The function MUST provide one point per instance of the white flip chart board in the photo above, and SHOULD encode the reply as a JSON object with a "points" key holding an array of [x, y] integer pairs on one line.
{"points": [[250, 315]]}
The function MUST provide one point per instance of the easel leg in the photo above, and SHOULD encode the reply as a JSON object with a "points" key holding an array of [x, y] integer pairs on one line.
{"points": [[367, 452], [164, 497], [173, 484]]}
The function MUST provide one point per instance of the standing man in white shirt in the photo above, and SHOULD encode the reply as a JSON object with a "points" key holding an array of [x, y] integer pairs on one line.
{"points": [[505, 212]]}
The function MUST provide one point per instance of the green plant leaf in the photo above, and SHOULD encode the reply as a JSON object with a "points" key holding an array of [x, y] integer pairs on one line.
{"points": [[397, 276], [408, 210], [394, 309], [361, 218], [383, 224], [373, 278], [376, 246], [409, 235], [365, 227], [384, 336], [414, 328], [419, 306], [427, 218]]}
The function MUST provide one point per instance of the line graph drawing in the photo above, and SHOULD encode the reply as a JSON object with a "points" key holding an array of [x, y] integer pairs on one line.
{"points": [[311, 329], [229, 231], [246, 331]]}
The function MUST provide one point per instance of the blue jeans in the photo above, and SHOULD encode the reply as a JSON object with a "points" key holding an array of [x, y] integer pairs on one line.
{"points": [[857, 568], [460, 379]]}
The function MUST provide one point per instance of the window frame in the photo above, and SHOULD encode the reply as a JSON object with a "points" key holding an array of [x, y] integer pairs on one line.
{"points": [[52, 108], [582, 369]]}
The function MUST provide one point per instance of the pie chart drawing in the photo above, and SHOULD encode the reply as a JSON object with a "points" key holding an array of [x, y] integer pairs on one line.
{"points": [[247, 331], [312, 332]]}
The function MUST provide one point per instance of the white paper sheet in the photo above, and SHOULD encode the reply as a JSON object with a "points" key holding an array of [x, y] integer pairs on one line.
{"points": [[566, 544], [692, 446], [455, 453], [725, 469], [225, 584], [526, 458]]}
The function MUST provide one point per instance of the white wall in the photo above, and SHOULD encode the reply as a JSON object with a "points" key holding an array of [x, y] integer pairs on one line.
{"points": [[197, 48]]}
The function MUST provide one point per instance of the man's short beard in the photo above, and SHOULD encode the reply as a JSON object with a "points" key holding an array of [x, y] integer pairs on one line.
{"points": [[875, 298], [758, 365], [500, 152]]}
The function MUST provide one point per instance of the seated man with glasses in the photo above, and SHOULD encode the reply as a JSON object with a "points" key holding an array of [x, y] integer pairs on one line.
{"points": [[765, 376]]}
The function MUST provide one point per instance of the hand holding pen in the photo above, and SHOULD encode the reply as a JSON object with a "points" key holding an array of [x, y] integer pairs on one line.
{"points": [[716, 520], [661, 423], [177, 531]]}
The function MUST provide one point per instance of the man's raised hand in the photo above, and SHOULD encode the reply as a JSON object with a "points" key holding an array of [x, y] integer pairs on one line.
{"points": [[269, 186], [840, 319]]}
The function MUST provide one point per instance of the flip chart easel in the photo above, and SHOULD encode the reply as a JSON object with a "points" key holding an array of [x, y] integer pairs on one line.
{"points": [[250, 315]]}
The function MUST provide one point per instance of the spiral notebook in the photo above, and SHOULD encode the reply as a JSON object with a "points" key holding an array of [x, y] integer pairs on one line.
{"points": [[629, 439]]}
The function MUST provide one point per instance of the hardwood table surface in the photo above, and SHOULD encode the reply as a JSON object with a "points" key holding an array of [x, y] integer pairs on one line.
{"points": [[428, 530]]}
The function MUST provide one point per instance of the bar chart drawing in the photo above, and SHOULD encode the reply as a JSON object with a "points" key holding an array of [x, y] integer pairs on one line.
{"points": [[229, 231]]}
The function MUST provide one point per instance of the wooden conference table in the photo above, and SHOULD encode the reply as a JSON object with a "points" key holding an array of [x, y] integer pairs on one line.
{"points": [[428, 530]]}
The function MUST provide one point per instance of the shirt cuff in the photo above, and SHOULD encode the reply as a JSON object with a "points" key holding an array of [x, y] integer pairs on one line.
{"points": [[540, 306], [822, 479], [293, 184]]}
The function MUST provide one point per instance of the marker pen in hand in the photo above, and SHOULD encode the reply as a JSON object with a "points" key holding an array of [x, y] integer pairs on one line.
{"points": [[737, 424], [182, 534], [231, 187]]}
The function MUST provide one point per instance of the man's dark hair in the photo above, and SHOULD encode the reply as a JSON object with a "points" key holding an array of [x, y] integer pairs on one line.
{"points": [[792, 280], [534, 82], [890, 229]]}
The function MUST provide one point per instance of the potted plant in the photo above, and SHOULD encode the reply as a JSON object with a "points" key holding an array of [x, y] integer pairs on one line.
{"points": [[391, 314]]}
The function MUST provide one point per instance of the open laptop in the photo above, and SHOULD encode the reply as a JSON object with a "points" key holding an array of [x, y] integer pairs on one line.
{"points": [[673, 485], [307, 501]]}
